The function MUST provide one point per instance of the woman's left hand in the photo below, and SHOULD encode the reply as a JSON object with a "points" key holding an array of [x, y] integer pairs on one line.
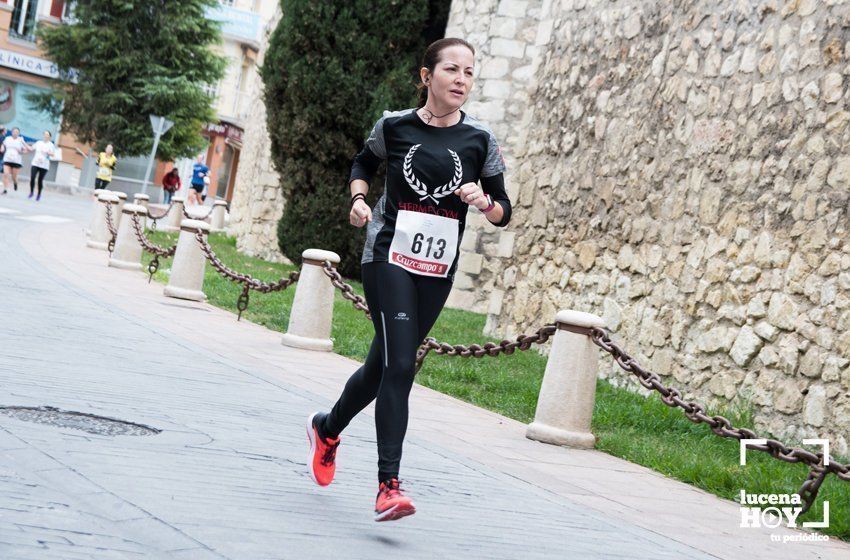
{"points": [[472, 194]]}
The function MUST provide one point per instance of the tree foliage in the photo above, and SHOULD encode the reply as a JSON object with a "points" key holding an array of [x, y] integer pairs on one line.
{"points": [[330, 70], [134, 58]]}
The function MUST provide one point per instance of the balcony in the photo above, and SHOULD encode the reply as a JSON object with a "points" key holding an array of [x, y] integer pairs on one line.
{"points": [[232, 104], [242, 25]]}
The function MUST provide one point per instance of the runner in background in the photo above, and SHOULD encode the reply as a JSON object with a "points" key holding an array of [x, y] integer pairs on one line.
{"points": [[106, 162], [436, 155], [206, 189], [45, 150], [14, 146], [200, 172], [3, 134]]}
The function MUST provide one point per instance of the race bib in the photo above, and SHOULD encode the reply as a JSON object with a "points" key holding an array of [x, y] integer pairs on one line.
{"points": [[423, 243], [104, 170]]}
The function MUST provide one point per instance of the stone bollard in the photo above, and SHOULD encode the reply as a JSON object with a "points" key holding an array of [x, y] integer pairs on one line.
{"points": [[312, 308], [142, 200], [95, 209], [116, 216], [217, 220], [187, 269], [100, 235], [175, 216], [565, 402], [128, 251]]}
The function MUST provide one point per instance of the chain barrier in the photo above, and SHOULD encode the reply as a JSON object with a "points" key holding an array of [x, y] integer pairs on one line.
{"points": [[248, 282], [155, 250], [189, 216], [695, 412], [670, 396], [161, 216], [490, 349], [347, 291], [523, 342], [111, 226]]}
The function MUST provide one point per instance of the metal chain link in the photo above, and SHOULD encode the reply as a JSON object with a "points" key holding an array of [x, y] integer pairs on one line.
{"points": [[809, 490], [111, 226], [201, 218], [347, 291], [695, 412], [248, 282], [155, 250], [161, 216], [489, 349]]}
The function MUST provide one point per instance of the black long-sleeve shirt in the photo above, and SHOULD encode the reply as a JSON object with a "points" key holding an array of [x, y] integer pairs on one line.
{"points": [[425, 165]]}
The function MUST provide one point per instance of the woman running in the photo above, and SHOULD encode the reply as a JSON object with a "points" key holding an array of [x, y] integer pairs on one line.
{"points": [[45, 150], [106, 162], [12, 161], [436, 155]]}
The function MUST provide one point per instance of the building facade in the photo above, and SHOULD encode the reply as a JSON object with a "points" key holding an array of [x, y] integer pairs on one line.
{"points": [[24, 70], [242, 26]]}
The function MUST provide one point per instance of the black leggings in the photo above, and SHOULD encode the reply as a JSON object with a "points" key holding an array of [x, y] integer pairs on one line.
{"points": [[37, 173], [404, 307]]}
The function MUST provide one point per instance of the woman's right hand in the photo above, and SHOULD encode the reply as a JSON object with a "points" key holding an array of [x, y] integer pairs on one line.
{"points": [[360, 213]]}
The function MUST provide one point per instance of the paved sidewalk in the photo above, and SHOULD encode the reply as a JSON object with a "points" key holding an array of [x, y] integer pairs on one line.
{"points": [[226, 477]]}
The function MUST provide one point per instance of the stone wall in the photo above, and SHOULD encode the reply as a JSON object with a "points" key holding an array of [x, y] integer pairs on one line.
{"points": [[687, 178], [504, 34], [257, 203]]}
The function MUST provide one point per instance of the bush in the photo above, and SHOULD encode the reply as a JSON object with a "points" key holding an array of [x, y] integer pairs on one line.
{"points": [[330, 70]]}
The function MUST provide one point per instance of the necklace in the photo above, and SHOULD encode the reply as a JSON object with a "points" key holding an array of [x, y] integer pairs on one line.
{"points": [[427, 118]]}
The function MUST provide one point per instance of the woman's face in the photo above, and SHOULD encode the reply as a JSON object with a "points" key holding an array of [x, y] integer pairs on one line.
{"points": [[109, 149], [450, 83], [46, 136], [15, 132]]}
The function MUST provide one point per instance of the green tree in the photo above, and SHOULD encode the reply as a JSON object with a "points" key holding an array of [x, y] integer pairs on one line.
{"points": [[134, 58], [330, 69]]}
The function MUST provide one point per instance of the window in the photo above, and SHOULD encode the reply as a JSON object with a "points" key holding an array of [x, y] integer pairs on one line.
{"points": [[23, 20], [212, 90], [68, 11]]}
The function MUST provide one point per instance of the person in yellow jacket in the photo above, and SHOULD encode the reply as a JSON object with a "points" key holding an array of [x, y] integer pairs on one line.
{"points": [[105, 166]]}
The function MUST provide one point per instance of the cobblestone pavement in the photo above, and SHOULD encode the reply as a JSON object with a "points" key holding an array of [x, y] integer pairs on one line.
{"points": [[226, 478]]}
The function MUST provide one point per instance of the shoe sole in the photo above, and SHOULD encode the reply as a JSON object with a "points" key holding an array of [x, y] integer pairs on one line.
{"points": [[311, 438], [396, 512]]}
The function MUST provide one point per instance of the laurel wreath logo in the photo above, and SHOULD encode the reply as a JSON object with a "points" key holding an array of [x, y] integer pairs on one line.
{"points": [[422, 189]]}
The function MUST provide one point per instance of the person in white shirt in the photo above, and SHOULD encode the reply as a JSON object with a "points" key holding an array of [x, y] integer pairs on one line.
{"points": [[12, 160], [45, 150]]}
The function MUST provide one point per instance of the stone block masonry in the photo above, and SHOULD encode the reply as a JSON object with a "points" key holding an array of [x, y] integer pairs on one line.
{"points": [[506, 35], [683, 173], [257, 200]]}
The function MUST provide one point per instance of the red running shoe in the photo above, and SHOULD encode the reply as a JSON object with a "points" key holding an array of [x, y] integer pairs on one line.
{"points": [[391, 504], [321, 462]]}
